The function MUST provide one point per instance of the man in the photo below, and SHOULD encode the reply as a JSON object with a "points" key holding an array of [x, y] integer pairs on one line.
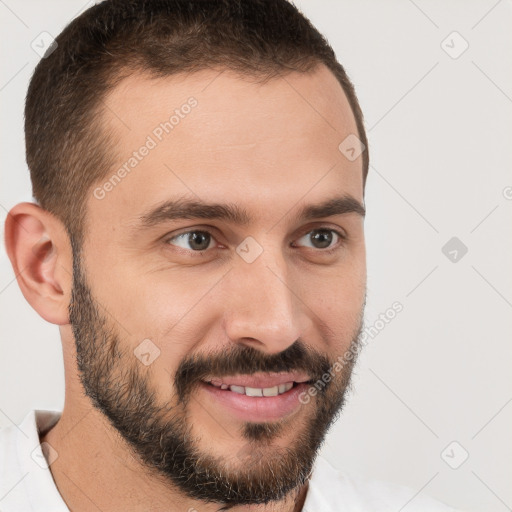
{"points": [[199, 171]]}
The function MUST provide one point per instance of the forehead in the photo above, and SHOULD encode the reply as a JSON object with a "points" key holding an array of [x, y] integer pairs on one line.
{"points": [[227, 100], [214, 134]]}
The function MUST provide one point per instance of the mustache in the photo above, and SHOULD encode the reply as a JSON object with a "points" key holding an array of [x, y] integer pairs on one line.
{"points": [[247, 361]]}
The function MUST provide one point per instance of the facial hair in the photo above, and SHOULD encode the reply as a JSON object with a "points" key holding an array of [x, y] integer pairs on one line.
{"points": [[161, 435]]}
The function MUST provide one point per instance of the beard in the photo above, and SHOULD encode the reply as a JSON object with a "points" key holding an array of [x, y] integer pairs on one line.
{"points": [[161, 435]]}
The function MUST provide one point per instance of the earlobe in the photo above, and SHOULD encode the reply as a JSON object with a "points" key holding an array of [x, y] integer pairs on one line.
{"points": [[40, 253]]}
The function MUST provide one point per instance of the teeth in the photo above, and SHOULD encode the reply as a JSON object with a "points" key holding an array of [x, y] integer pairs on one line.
{"points": [[238, 389], [271, 391], [283, 388], [253, 391], [274, 391]]}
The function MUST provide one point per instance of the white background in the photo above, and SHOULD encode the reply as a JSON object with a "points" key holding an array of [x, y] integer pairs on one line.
{"points": [[441, 153]]}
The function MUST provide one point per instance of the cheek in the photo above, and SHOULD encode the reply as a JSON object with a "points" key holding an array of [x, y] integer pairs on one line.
{"points": [[338, 301], [175, 312], [155, 302], [341, 287]]}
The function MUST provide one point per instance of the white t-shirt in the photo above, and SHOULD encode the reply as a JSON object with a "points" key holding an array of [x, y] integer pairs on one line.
{"points": [[26, 482]]}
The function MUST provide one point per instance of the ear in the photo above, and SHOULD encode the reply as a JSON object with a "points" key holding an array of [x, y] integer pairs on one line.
{"points": [[40, 252]]}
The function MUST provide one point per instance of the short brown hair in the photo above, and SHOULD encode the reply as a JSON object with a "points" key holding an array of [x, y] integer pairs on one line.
{"points": [[66, 150]]}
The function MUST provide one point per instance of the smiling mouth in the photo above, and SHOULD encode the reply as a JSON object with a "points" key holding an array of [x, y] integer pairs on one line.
{"points": [[250, 391], [253, 391], [257, 397]]}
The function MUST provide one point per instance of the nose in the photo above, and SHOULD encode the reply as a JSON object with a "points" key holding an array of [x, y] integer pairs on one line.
{"points": [[263, 309]]}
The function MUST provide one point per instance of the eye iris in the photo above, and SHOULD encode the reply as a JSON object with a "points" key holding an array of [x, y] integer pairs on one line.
{"points": [[323, 238], [201, 238]]}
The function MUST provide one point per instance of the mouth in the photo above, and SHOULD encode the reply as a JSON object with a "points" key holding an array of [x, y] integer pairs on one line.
{"points": [[257, 398], [256, 391]]}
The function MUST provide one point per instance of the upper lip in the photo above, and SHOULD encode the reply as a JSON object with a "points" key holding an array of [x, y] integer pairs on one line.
{"points": [[260, 380]]}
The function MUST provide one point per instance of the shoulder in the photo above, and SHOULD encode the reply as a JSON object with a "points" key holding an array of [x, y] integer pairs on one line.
{"points": [[333, 490], [26, 482]]}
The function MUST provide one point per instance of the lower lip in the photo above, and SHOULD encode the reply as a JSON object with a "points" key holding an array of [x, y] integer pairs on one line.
{"points": [[256, 408]]}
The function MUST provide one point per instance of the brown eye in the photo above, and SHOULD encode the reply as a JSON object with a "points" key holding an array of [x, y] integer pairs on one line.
{"points": [[321, 238], [192, 240]]}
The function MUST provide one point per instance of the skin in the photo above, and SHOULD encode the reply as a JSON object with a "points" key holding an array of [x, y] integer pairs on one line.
{"points": [[269, 148]]}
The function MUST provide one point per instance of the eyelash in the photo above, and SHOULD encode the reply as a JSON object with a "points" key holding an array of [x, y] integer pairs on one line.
{"points": [[336, 247]]}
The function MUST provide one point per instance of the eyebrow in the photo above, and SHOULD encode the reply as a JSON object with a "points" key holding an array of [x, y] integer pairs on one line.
{"points": [[181, 209]]}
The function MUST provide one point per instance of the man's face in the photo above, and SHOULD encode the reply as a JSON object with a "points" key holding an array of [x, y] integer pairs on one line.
{"points": [[178, 319]]}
